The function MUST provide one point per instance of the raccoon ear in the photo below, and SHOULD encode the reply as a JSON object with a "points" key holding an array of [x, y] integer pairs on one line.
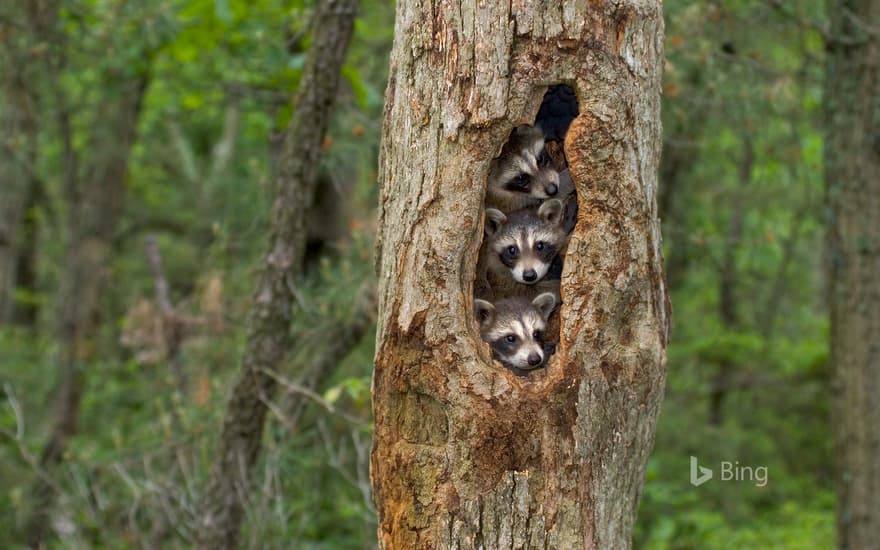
{"points": [[485, 312], [545, 303], [494, 220], [550, 211]]}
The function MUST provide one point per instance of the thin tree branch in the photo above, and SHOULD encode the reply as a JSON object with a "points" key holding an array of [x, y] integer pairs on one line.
{"points": [[172, 324]]}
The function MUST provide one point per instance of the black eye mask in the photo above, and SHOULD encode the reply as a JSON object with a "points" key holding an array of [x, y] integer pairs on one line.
{"points": [[507, 258], [520, 183], [503, 348], [547, 253]]}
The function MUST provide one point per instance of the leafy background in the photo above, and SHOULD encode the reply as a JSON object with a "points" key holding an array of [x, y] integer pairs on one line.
{"points": [[741, 203]]}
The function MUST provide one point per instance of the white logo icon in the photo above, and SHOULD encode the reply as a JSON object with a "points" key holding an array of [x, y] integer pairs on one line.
{"points": [[705, 474]]}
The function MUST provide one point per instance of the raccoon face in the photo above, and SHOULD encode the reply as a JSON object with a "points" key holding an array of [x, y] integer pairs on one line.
{"points": [[514, 328], [524, 169], [526, 241]]}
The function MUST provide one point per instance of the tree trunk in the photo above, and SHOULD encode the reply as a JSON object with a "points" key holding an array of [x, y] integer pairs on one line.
{"points": [[19, 136], [728, 283], [682, 134], [852, 174], [467, 454], [18, 141], [26, 311], [268, 336], [94, 206]]}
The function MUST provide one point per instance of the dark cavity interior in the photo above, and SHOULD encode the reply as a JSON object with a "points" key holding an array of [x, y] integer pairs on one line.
{"points": [[558, 109]]}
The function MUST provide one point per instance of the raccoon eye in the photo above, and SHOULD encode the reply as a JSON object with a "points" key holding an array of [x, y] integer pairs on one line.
{"points": [[512, 250], [521, 180], [539, 245], [536, 334], [544, 159], [510, 338]]}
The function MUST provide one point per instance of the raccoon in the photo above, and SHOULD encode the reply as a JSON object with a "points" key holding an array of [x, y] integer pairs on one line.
{"points": [[521, 248], [523, 175], [515, 329]]}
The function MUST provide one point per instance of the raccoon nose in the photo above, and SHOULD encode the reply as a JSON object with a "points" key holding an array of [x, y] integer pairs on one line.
{"points": [[534, 359], [529, 276], [551, 189]]}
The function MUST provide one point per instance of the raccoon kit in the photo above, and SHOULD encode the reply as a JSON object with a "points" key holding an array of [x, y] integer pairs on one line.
{"points": [[520, 249], [524, 174], [516, 328], [530, 212]]}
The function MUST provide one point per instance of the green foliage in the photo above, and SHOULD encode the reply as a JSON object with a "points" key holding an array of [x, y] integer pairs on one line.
{"points": [[132, 476], [741, 115]]}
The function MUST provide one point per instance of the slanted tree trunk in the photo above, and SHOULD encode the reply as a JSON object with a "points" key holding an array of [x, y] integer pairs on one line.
{"points": [[852, 175], [467, 454], [94, 205], [268, 337]]}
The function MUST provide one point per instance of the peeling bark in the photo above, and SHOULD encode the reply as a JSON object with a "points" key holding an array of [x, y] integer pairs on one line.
{"points": [[467, 454]]}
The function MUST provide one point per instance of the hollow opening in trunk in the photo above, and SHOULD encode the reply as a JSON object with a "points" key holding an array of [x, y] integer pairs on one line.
{"points": [[530, 213]]}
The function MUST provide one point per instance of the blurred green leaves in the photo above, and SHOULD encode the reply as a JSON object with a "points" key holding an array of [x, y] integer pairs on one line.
{"points": [[743, 73]]}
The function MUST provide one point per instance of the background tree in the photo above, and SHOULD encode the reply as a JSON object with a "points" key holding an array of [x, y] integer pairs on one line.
{"points": [[466, 453], [734, 73], [269, 336], [852, 175], [94, 201], [23, 55]]}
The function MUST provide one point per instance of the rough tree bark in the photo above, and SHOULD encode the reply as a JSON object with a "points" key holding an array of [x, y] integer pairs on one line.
{"points": [[852, 175], [269, 336], [466, 454], [94, 205]]}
